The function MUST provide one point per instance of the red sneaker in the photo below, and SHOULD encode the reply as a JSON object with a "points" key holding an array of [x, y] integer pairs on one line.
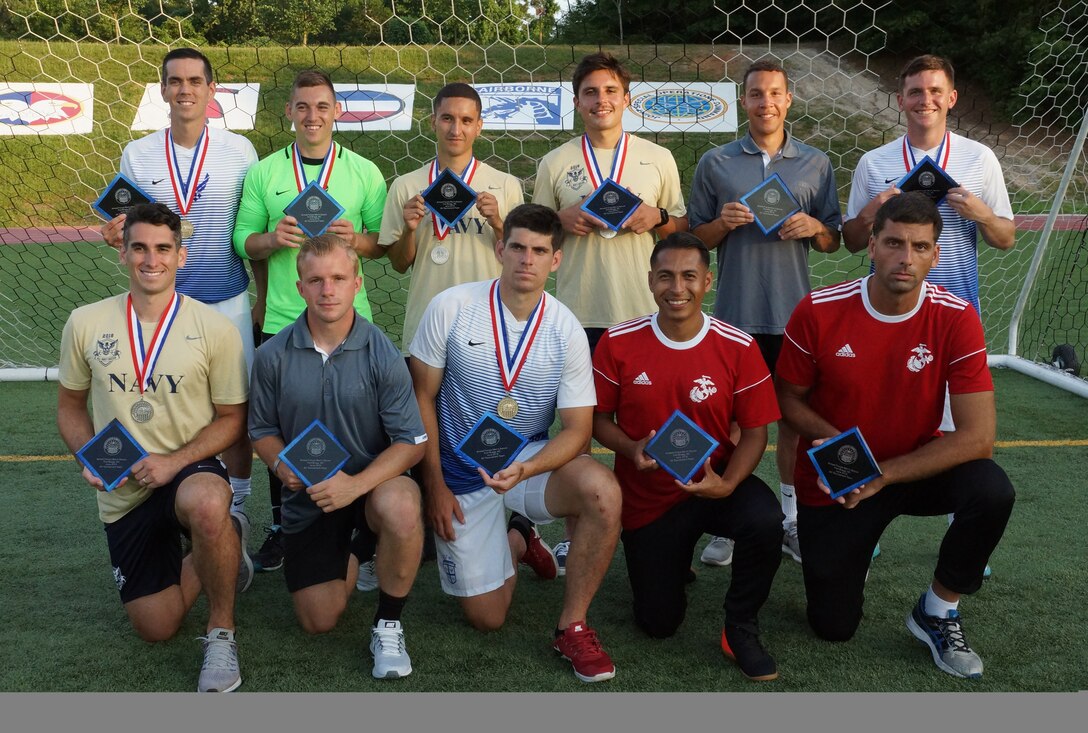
{"points": [[579, 645], [539, 557]]}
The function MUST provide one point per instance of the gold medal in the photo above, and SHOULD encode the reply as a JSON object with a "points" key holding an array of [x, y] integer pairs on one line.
{"points": [[507, 408], [142, 411], [186, 229]]}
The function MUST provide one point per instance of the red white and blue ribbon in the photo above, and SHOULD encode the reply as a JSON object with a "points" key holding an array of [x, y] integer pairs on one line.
{"points": [[322, 176], [510, 363], [440, 229], [144, 361], [618, 161], [185, 191], [942, 153]]}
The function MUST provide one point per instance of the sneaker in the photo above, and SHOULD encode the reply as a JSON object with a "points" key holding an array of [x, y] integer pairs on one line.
{"points": [[579, 645], [368, 577], [390, 657], [740, 642], [220, 672], [876, 551], [270, 556], [946, 642], [719, 551], [238, 510], [539, 557], [560, 551], [790, 545], [245, 564]]}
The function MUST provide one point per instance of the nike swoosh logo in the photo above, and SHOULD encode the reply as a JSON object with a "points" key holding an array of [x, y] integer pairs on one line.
{"points": [[193, 338], [889, 180], [474, 343], [280, 193], [155, 183]]}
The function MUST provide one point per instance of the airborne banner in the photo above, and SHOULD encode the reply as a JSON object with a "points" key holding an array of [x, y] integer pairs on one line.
{"points": [[545, 105]]}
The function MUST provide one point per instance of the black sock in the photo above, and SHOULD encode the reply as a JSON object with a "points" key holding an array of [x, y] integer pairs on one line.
{"points": [[389, 607], [521, 525]]}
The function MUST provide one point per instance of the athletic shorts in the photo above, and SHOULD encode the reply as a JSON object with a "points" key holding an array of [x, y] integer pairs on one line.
{"points": [[319, 552], [145, 544], [479, 561], [238, 311]]}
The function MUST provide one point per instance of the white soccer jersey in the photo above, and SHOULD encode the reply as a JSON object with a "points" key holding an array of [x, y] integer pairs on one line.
{"points": [[456, 335], [974, 167], [213, 271]]}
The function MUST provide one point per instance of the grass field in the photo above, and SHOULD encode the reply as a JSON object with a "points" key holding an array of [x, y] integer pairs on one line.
{"points": [[65, 629]]}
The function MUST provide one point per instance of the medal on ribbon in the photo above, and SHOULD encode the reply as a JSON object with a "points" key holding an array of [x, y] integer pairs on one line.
{"points": [[511, 362], [943, 152], [322, 176], [144, 360], [185, 190]]}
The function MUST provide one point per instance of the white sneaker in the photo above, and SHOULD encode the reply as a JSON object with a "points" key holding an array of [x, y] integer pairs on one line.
{"points": [[220, 672], [719, 551], [368, 577], [790, 545], [245, 563], [387, 645]]}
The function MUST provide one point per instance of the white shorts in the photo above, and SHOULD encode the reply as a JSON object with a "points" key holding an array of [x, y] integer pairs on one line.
{"points": [[238, 311], [479, 560]]}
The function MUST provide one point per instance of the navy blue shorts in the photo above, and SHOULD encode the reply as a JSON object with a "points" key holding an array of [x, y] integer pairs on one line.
{"points": [[145, 544]]}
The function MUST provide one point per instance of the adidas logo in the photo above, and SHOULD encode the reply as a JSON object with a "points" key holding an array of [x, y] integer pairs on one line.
{"points": [[846, 351], [642, 379]]}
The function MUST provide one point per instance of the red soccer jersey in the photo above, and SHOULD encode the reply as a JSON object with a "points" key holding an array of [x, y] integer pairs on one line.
{"points": [[884, 374], [715, 378]]}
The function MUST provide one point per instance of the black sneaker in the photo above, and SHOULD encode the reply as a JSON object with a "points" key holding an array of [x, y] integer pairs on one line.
{"points": [[270, 556], [741, 644]]}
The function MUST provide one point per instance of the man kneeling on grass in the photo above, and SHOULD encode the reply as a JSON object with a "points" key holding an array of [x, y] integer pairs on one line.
{"points": [[876, 354], [172, 372], [333, 365]]}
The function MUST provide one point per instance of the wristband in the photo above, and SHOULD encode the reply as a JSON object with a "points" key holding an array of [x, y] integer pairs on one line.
{"points": [[664, 216], [275, 466]]}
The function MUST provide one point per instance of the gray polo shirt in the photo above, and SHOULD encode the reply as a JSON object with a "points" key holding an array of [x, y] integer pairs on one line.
{"points": [[762, 278], [362, 393]]}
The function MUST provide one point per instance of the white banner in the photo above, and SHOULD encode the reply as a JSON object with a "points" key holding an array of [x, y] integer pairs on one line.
{"points": [[232, 107], [687, 106], [375, 106], [547, 105], [46, 109]]}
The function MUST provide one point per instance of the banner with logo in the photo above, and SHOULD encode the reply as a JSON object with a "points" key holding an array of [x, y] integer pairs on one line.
{"points": [[46, 109], [688, 106], [233, 107], [375, 106], [545, 105]]}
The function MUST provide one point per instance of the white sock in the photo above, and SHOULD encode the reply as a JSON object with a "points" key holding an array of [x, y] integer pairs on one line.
{"points": [[789, 503], [241, 488], [937, 606]]}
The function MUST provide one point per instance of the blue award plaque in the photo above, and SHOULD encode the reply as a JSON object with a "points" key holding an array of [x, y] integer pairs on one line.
{"points": [[929, 178], [119, 197], [681, 447], [314, 209], [111, 454], [771, 203], [315, 454], [449, 198], [491, 444], [611, 203], [844, 462]]}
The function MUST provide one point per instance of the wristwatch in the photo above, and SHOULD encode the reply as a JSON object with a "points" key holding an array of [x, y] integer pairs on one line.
{"points": [[664, 216]]}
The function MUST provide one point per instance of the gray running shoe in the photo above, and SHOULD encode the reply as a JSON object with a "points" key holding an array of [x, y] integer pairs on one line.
{"points": [[790, 545], [719, 551], [368, 577], [387, 645], [245, 564], [220, 672], [946, 642]]}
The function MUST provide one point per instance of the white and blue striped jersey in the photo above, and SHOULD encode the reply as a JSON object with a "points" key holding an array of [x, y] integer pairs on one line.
{"points": [[974, 167], [456, 335], [213, 271]]}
